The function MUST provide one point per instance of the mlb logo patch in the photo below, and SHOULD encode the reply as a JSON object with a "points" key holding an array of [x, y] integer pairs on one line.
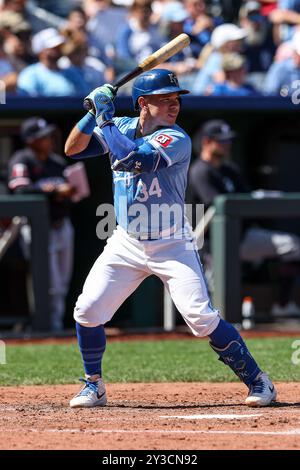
{"points": [[163, 139]]}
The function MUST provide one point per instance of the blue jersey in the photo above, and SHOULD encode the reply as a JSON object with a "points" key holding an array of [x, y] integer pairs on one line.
{"points": [[153, 203]]}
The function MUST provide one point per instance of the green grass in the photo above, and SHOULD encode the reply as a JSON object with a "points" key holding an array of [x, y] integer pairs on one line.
{"points": [[144, 361]]}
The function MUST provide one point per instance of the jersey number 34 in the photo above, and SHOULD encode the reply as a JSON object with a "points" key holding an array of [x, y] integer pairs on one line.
{"points": [[145, 193]]}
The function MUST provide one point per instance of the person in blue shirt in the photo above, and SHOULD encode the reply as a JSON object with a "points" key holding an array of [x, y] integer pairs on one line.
{"points": [[138, 38], [225, 38], [283, 77], [286, 18], [234, 68], [46, 78], [198, 25], [149, 156]]}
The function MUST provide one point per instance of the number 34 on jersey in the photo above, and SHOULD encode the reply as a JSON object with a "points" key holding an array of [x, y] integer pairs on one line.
{"points": [[144, 192]]}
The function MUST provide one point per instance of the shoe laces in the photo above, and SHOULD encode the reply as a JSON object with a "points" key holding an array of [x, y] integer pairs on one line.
{"points": [[258, 386], [90, 387]]}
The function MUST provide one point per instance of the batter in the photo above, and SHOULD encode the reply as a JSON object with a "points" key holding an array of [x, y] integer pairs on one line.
{"points": [[149, 156]]}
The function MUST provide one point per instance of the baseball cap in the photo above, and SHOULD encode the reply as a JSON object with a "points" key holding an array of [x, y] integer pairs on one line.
{"points": [[249, 9], [225, 33], [174, 12], [232, 61], [35, 128], [218, 130], [46, 39]]}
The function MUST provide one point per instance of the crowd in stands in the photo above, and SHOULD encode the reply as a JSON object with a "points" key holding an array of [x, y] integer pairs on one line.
{"points": [[238, 48]]}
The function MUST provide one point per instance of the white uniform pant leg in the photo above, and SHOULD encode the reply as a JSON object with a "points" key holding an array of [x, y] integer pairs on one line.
{"points": [[178, 265], [115, 275], [60, 264]]}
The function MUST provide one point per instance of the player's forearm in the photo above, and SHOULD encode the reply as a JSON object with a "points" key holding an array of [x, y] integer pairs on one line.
{"points": [[80, 135], [76, 142]]}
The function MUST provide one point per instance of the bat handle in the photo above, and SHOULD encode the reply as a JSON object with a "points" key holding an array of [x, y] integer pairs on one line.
{"points": [[89, 105]]}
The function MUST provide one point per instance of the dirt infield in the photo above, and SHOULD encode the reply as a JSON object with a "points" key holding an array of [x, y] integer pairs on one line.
{"points": [[175, 416]]}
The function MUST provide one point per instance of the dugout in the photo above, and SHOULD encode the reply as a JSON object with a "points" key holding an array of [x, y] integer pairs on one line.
{"points": [[267, 147]]}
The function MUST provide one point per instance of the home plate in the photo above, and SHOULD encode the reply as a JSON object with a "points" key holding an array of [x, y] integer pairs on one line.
{"points": [[206, 416]]}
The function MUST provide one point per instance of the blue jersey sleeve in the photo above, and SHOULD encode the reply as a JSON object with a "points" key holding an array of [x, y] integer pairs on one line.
{"points": [[173, 144]]}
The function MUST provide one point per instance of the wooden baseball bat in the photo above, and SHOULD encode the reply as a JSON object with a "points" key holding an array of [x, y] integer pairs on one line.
{"points": [[158, 57]]}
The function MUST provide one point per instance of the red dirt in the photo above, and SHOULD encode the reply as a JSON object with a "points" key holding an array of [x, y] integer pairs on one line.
{"points": [[116, 335], [38, 417]]}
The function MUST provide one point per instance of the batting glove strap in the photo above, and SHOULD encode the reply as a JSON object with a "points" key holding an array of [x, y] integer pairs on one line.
{"points": [[102, 121]]}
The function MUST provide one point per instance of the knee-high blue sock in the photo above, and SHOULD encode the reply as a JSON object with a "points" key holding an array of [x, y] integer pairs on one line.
{"points": [[232, 350], [92, 342]]}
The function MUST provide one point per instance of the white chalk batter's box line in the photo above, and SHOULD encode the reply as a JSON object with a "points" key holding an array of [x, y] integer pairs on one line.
{"points": [[142, 419], [290, 432], [104, 417]]}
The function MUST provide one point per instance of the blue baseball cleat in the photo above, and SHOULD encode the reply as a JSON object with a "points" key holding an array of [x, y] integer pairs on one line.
{"points": [[92, 394], [261, 392]]}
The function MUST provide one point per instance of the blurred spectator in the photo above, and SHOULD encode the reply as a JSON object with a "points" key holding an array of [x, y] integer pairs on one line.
{"points": [[159, 7], [183, 63], [138, 38], [16, 33], [90, 71], [235, 72], [229, 9], [104, 24], [285, 18], [212, 174], [286, 49], [38, 170], [267, 6], [77, 23], [92, 7], [282, 76], [59, 8], [8, 74], [225, 38], [46, 78], [37, 17], [172, 19], [198, 25], [259, 47]]}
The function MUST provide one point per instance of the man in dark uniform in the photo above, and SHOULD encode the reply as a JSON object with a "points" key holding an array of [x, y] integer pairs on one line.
{"points": [[36, 169], [213, 174]]}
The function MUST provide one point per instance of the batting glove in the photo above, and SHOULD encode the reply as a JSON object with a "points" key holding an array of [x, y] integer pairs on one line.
{"points": [[102, 101]]}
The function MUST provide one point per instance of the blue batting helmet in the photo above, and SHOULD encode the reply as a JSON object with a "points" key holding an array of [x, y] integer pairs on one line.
{"points": [[155, 82]]}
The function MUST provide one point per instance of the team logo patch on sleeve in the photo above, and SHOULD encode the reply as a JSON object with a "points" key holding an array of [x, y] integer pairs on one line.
{"points": [[163, 139]]}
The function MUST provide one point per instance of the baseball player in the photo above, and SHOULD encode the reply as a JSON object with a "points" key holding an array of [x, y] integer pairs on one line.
{"points": [[149, 156]]}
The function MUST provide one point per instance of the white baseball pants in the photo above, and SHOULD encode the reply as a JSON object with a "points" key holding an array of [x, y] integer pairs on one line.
{"points": [[126, 262]]}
